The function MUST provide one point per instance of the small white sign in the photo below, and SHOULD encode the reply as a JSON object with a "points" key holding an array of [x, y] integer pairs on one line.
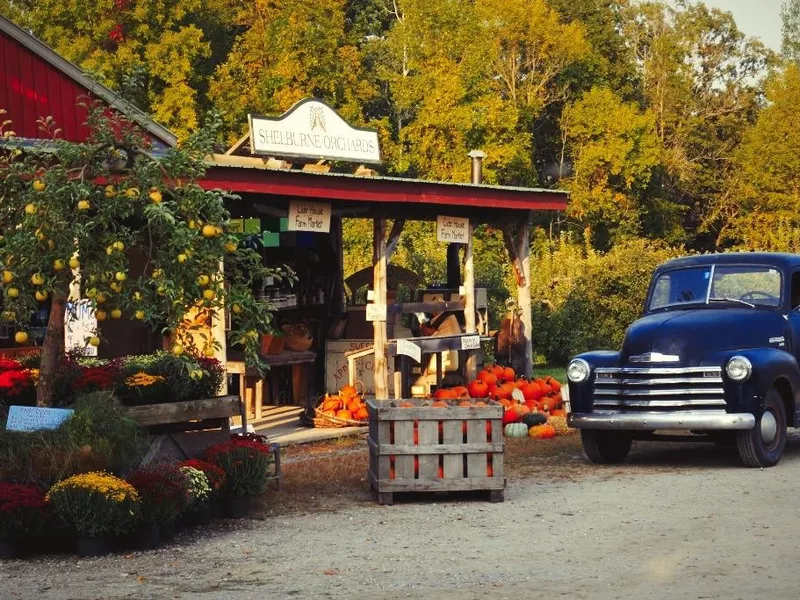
{"points": [[376, 312], [313, 129], [79, 325], [470, 342], [452, 229], [409, 349], [309, 216]]}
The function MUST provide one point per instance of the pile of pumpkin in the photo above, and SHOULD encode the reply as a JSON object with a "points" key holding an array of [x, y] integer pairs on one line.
{"points": [[346, 405], [536, 410]]}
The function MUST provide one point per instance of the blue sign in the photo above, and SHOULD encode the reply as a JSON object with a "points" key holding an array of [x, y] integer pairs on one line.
{"points": [[33, 418]]}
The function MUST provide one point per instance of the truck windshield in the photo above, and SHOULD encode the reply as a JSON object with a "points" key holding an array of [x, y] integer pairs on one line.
{"points": [[749, 285]]}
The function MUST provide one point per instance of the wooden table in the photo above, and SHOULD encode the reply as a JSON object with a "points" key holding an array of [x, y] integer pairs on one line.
{"points": [[251, 384], [435, 344]]}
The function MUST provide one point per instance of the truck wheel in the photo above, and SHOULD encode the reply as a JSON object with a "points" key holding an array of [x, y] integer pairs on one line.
{"points": [[605, 447], [762, 446]]}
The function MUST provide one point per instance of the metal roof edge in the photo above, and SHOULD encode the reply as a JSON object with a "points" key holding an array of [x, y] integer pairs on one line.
{"points": [[505, 188], [71, 70]]}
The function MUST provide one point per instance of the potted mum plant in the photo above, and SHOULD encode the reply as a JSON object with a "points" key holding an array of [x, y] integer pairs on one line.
{"points": [[246, 461], [164, 493], [216, 481], [198, 508], [96, 506], [22, 516]]}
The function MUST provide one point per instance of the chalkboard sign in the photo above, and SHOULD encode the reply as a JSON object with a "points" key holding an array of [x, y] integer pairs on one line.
{"points": [[32, 418]]}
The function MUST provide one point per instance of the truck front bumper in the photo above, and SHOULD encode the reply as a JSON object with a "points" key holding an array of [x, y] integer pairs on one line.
{"points": [[651, 421]]}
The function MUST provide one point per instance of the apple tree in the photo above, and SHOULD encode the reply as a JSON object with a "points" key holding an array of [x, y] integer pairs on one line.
{"points": [[131, 232]]}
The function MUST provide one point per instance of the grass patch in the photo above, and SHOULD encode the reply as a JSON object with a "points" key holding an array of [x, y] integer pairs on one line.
{"points": [[559, 373]]}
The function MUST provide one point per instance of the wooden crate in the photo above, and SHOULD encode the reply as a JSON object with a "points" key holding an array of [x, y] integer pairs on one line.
{"points": [[426, 449]]}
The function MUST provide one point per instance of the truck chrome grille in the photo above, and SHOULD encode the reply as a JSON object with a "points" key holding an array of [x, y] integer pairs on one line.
{"points": [[656, 389]]}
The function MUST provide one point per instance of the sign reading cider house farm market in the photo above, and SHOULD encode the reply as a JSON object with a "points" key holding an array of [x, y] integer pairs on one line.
{"points": [[312, 129]]}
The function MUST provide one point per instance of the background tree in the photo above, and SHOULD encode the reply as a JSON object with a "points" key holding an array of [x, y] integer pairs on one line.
{"points": [[130, 234], [790, 30]]}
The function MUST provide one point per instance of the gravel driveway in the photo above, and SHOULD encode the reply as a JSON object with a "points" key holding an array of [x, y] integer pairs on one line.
{"points": [[685, 522]]}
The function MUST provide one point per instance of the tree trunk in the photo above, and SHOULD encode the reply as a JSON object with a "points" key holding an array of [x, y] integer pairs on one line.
{"points": [[52, 350]]}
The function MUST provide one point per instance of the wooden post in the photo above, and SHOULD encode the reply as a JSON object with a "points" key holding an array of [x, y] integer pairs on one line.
{"points": [[524, 289], [379, 267], [470, 369]]}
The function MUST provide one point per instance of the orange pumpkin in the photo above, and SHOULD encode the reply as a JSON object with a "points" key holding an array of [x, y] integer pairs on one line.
{"points": [[362, 414], [348, 391], [465, 403], [445, 393], [344, 415], [542, 432], [440, 404], [460, 391], [509, 374], [478, 388], [406, 404], [329, 413], [553, 383], [331, 403], [488, 378], [498, 371]]}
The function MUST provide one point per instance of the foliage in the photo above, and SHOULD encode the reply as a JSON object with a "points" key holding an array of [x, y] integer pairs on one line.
{"points": [[246, 462], [605, 294], [95, 504], [100, 428], [22, 511], [214, 475], [148, 239], [17, 384], [197, 485], [163, 490], [790, 30], [759, 209]]}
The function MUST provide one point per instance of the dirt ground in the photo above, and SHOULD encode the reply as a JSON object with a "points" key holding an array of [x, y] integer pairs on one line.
{"points": [[677, 520]]}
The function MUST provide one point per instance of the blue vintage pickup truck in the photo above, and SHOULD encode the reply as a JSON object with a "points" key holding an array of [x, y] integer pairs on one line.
{"points": [[715, 355]]}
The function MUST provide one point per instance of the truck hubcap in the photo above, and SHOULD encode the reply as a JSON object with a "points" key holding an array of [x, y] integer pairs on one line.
{"points": [[769, 427]]}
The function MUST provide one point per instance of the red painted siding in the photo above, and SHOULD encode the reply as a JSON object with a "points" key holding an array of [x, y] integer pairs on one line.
{"points": [[32, 88]]}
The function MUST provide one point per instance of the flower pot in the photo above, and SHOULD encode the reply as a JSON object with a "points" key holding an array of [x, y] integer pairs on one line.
{"points": [[167, 530], [8, 550], [149, 538], [93, 546], [237, 507]]}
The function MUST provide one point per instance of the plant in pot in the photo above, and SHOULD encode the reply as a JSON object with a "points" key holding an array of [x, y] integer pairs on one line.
{"points": [[246, 462], [22, 516], [198, 508], [96, 507], [216, 481], [164, 495]]}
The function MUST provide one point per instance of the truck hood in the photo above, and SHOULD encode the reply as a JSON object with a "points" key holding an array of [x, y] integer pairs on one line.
{"points": [[693, 334]]}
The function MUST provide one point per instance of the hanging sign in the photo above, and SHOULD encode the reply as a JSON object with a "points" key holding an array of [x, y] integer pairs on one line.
{"points": [[452, 229], [312, 129], [32, 418], [309, 216], [409, 349], [470, 342], [376, 312]]}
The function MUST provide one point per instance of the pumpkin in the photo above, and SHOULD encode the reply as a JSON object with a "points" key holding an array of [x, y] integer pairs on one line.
{"points": [[465, 404], [329, 413], [553, 383], [534, 418], [542, 432], [362, 414], [478, 388], [460, 391], [511, 416], [509, 374], [344, 415], [348, 391], [406, 404], [560, 425], [498, 371], [445, 393], [487, 377], [516, 430], [331, 403], [531, 390], [440, 404]]}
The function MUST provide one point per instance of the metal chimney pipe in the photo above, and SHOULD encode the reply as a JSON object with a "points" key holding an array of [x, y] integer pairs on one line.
{"points": [[477, 157]]}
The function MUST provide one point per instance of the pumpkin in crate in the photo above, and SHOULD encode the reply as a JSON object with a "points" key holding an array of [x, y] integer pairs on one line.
{"points": [[478, 388], [516, 430], [542, 432]]}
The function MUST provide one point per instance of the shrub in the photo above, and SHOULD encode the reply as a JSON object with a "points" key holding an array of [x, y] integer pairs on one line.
{"points": [[214, 474], [95, 504], [22, 511], [163, 490], [246, 462], [16, 383], [101, 430], [197, 486], [602, 296]]}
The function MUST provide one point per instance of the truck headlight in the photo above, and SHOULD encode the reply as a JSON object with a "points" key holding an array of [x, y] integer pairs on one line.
{"points": [[578, 370], [739, 368]]}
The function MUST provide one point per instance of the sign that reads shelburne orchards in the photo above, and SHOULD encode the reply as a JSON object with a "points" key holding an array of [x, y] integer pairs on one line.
{"points": [[312, 129]]}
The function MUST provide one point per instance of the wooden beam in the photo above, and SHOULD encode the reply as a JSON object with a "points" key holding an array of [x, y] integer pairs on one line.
{"points": [[469, 299], [238, 145], [379, 266], [512, 245], [524, 288], [394, 237]]}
